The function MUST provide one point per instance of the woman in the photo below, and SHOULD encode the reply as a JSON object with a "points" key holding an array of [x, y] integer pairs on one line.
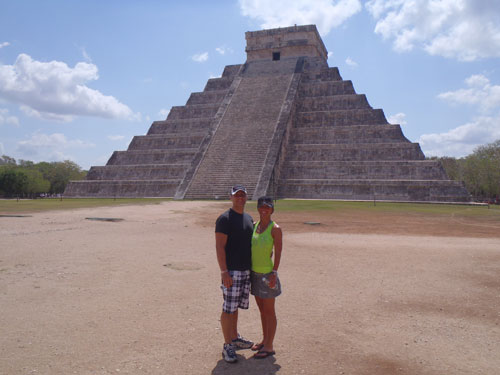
{"points": [[265, 282]]}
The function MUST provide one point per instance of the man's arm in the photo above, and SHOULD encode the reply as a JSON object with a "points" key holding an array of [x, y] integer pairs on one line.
{"points": [[220, 247]]}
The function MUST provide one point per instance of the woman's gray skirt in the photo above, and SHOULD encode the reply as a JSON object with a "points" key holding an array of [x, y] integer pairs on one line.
{"points": [[260, 287]]}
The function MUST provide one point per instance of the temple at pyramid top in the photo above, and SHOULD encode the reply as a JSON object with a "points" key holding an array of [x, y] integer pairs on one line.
{"points": [[284, 124], [294, 41]]}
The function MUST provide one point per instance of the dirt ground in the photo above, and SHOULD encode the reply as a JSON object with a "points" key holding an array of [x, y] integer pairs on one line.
{"points": [[391, 294]]}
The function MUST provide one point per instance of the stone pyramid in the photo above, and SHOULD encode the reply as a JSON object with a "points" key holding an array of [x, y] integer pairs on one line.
{"points": [[284, 124]]}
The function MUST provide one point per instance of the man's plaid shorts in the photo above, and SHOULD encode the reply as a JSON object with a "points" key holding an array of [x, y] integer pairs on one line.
{"points": [[237, 296]]}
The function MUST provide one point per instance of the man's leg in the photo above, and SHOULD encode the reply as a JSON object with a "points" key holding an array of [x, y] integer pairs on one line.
{"points": [[243, 302], [229, 324], [228, 321]]}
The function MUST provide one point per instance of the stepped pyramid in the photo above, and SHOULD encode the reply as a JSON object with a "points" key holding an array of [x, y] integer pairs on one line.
{"points": [[283, 124]]}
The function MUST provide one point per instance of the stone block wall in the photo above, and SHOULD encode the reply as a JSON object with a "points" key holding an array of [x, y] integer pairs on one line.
{"points": [[339, 147]]}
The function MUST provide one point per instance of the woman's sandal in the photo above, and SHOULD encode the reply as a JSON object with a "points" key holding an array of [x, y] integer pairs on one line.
{"points": [[257, 347], [261, 354]]}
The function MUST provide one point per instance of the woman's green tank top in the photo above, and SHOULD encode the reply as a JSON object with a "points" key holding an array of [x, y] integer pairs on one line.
{"points": [[262, 247]]}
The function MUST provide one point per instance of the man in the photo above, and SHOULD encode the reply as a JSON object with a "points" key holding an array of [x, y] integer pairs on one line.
{"points": [[233, 242]]}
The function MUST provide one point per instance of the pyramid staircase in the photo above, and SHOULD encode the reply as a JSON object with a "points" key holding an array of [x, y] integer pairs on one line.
{"points": [[239, 148]]}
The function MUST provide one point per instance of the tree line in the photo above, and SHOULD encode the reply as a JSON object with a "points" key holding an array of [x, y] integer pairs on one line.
{"points": [[479, 171], [26, 179]]}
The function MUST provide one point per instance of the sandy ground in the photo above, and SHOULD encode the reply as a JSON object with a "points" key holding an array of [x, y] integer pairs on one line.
{"points": [[141, 296]]}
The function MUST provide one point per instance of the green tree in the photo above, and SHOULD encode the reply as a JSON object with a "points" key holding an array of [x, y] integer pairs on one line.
{"points": [[453, 167], [60, 173], [482, 171], [479, 171], [7, 160], [13, 182], [36, 184]]}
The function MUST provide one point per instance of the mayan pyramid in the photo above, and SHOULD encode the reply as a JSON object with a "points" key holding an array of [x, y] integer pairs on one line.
{"points": [[284, 124]]}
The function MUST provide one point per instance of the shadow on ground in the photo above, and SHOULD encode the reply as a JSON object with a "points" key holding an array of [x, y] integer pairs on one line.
{"points": [[250, 366]]}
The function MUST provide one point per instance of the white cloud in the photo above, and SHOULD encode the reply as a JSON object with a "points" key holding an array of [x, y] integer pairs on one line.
{"points": [[85, 55], [330, 54], [2, 149], [351, 62], [4, 44], [462, 140], [5, 118], [480, 92], [325, 14], [45, 115], [116, 137], [463, 29], [164, 112], [223, 50], [200, 57], [52, 90], [53, 147], [398, 118]]}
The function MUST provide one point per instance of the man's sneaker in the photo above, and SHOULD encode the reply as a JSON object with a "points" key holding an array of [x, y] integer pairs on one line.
{"points": [[229, 354], [242, 343]]}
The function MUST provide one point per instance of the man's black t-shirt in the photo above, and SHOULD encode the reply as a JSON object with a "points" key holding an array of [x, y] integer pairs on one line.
{"points": [[239, 230]]}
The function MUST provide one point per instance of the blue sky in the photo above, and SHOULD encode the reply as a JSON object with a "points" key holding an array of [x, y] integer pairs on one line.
{"points": [[78, 79]]}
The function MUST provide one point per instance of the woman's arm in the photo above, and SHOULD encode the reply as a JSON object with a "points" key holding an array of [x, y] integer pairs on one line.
{"points": [[277, 235], [278, 246]]}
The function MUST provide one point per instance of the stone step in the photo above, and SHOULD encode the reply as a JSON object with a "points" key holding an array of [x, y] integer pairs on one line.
{"points": [[260, 68], [340, 118], [184, 155], [122, 188], [230, 71], [206, 97], [393, 190], [223, 188], [216, 84], [193, 111], [314, 64], [331, 103], [362, 170], [180, 126], [138, 172], [331, 74], [218, 192], [360, 152], [168, 141], [331, 88], [348, 134]]}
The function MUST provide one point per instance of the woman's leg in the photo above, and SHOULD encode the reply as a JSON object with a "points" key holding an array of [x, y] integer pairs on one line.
{"points": [[263, 322], [269, 321]]}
